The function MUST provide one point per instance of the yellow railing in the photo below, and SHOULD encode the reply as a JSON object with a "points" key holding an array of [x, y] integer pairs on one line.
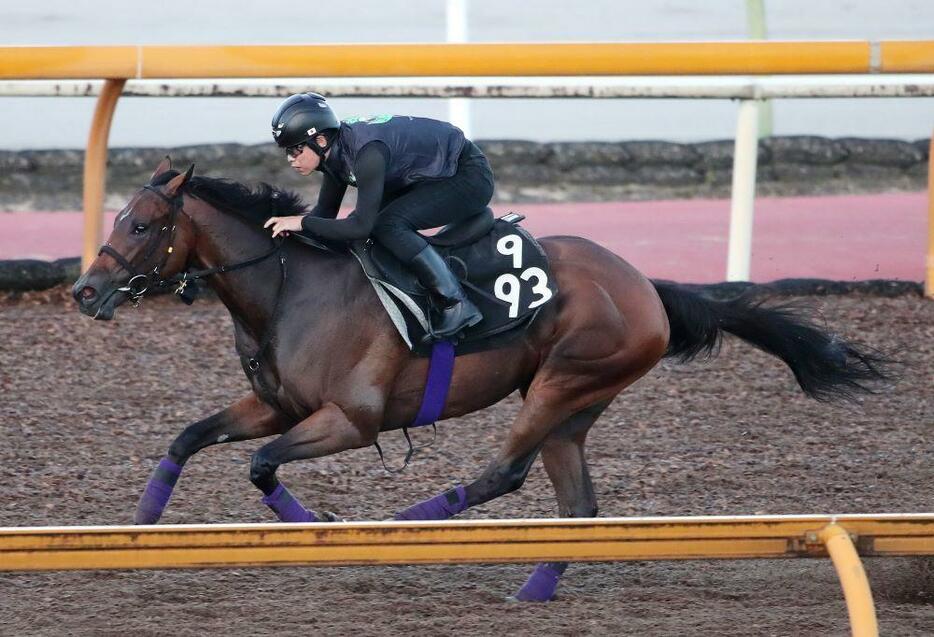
{"points": [[116, 64], [407, 60], [842, 537]]}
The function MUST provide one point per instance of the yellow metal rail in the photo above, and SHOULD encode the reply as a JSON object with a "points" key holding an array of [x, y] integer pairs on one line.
{"points": [[579, 540], [598, 539], [485, 59], [853, 580]]}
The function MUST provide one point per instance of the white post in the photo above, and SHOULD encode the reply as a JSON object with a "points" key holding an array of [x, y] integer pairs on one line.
{"points": [[755, 28], [745, 155], [458, 107]]}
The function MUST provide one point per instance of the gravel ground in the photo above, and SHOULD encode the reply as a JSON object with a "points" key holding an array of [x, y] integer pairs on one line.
{"points": [[88, 408]]}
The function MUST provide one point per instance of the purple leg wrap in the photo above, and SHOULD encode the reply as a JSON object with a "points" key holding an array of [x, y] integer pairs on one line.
{"points": [[287, 507], [157, 493], [541, 585], [440, 507]]}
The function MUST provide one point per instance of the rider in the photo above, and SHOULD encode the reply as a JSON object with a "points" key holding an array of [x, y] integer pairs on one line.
{"points": [[411, 173]]}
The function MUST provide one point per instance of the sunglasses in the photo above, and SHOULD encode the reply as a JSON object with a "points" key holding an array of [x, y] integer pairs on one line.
{"points": [[296, 150]]}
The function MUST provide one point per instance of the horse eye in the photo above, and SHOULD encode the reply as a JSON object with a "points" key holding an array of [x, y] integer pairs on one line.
{"points": [[139, 228]]}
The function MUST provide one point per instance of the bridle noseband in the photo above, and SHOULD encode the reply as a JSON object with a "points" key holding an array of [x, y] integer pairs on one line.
{"points": [[142, 282], [139, 282]]}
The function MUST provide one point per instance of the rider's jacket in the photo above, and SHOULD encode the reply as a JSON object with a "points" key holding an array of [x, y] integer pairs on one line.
{"points": [[380, 156], [419, 148]]}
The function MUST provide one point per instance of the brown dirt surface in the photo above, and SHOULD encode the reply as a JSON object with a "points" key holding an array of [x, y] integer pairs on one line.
{"points": [[87, 409]]}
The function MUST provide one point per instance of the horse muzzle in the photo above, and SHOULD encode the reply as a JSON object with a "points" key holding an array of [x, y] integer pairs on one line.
{"points": [[100, 299]]}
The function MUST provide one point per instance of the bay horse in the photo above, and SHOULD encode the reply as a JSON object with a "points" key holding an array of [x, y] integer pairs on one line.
{"points": [[329, 372]]}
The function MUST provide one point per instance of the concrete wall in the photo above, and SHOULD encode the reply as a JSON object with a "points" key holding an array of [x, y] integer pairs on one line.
{"points": [[525, 171]]}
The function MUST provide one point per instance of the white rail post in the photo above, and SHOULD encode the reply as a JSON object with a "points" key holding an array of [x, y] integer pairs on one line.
{"points": [[745, 155], [756, 30], [458, 107]]}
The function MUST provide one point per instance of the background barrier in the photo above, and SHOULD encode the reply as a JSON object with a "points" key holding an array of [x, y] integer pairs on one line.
{"points": [[413, 60]]}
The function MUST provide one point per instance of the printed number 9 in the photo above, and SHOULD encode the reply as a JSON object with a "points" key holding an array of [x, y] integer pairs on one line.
{"points": [[511, 245], [508, 288]]}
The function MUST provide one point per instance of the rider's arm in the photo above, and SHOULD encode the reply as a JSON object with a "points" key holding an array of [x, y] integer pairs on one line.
{"points": [[370, 171], [329, 198]]}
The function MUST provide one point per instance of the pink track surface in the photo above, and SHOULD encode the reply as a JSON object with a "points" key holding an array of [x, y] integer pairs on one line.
{"points": [[840, 237]]}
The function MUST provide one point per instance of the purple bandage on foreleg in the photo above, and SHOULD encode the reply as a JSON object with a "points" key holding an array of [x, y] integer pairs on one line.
{"points": [[542, 583], [157, 493], [440, 507], [287, 507]]}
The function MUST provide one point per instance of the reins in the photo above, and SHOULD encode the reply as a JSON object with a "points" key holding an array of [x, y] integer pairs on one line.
{"points": [[140, 282]]}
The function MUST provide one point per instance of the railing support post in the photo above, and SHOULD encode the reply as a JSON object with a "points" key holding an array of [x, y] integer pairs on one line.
{"points": [[95, 170], [456, 25], [853, 580], [745, 156]]}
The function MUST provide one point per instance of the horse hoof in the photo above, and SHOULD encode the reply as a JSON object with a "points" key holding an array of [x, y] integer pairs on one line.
{"points": [[329, 516], [512, 599]]}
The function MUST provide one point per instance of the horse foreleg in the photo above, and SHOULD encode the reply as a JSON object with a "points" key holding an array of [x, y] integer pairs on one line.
{"points": [[246, 419], [563, 457], [325, 432]]}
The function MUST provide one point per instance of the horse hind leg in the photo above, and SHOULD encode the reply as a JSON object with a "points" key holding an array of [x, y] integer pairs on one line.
{"points": [[507, 472], [564, 461]]}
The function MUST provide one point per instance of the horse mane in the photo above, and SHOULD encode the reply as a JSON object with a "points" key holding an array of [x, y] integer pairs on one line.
{"points": [[255, 205]]}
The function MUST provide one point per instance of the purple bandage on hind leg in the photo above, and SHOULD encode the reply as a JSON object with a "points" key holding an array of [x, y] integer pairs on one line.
{"points": [[440, 507], [157, 493], [287, 507], [542, 583]]}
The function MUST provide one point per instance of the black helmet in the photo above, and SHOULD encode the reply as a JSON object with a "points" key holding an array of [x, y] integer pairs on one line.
{"points": [[301, 117]]}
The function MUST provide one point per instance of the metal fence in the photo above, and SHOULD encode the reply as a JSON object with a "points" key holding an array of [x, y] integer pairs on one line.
{"points": [[844, 538], [759, 58]]}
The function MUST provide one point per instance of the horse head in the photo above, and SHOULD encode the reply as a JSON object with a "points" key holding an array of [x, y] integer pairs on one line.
{"points": [[151, 241]]}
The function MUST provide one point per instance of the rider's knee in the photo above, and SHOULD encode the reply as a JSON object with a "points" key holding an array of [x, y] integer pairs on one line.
{"points": [[390, 224]]}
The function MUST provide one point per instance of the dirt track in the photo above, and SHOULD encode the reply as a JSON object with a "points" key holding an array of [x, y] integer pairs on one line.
{"points": [[87, 409]]}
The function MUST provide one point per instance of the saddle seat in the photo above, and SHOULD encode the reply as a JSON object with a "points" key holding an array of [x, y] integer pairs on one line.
{"points": [[503, 269]]}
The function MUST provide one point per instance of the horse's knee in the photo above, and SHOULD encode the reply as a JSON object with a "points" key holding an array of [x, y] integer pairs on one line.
{"points": [[184, 446], [262, 470], [502, 481], [513, 481]]}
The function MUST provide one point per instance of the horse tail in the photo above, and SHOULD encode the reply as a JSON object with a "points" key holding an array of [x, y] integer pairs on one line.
{"points": [[825, 366]]}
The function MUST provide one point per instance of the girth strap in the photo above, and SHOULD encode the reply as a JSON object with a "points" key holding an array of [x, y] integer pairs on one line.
{"points": [[434, 399]]}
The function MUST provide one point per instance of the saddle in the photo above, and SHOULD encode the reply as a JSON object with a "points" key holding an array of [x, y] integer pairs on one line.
{"points": [[502, 268]]}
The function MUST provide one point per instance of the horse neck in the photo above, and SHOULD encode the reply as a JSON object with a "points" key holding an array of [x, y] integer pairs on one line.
{"points": [[222, 238]]}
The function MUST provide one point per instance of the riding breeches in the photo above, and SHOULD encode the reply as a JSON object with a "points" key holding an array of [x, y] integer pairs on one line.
{"points": [[431, 204]]}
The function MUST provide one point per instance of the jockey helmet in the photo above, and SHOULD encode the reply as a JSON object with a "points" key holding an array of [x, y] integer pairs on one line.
{"points": [[302, 117]]}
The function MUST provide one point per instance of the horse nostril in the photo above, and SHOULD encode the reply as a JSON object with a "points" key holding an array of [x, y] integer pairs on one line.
{"points": [[88, 293]]}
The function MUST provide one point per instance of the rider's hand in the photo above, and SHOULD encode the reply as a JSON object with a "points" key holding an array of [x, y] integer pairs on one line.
{"points": [[284, 225]]}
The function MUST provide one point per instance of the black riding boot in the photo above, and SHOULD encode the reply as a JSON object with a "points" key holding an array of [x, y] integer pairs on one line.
{"points": [[456, 311]]}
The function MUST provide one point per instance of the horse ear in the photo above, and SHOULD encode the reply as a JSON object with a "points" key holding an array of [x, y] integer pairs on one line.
{"points": [[164, 165], [175, 184]]}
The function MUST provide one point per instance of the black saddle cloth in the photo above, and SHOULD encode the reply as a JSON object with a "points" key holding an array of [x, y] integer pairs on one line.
{"points": [[503, 269]]}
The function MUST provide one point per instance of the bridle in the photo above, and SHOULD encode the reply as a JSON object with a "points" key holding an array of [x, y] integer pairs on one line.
{"points": [[142, 282]]}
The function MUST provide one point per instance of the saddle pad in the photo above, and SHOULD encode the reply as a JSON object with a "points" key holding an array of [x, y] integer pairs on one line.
{"points": [[505, 273]]}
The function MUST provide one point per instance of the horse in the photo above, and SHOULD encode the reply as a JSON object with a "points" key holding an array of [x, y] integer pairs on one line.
{"points": [[328, 372]]}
